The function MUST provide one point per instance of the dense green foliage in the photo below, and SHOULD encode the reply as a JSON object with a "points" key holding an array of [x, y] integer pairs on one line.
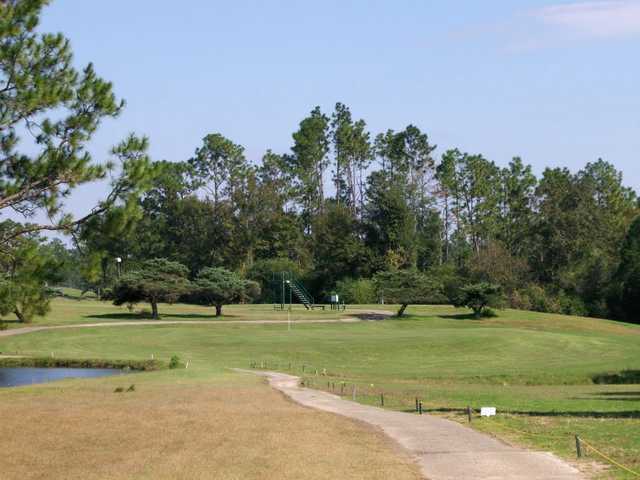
{"points": [[552, 244], [27, 271]]}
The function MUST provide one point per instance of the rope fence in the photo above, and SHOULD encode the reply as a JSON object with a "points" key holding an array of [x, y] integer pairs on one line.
{"points": [[319, 378], [608, 459]]}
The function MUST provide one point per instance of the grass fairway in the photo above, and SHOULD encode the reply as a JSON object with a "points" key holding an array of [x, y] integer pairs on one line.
{"points": [[535, 368], [76, 310]]}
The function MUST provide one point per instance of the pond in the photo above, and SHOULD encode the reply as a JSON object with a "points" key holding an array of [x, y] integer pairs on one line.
{"points": [[13, 377]]}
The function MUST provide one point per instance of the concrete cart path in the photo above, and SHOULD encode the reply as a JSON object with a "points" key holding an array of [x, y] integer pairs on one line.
{"points": [[23, 330], [445, 450]]}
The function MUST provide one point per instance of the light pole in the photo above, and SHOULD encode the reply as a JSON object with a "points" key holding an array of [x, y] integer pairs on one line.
{"points": [[289, 309], [119, 263]]}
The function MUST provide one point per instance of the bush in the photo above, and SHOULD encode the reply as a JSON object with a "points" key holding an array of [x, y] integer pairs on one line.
{"points": [[48, 362], [540, 300], [625, 377], [174, 362], [489, 312], [361, 291], [520, 300], [572, 305], [3, 326]]}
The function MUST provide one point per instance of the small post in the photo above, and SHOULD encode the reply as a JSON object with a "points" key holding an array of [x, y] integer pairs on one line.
{"points": [[302, 368], [469, 413], [328, 385], [354, 393], [382, 399], [416, 404], [420, 407], [578, 447], [342, 389]]}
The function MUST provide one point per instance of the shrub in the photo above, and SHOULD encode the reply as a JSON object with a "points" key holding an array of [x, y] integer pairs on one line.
{"points": [[627, 377], [489, 312], [48, 362], [520, 300], [174, 362], [572, 305], [540, 300], [361, 291]]}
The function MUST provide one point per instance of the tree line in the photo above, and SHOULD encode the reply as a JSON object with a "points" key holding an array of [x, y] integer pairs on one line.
{"points": [[343, 206]]}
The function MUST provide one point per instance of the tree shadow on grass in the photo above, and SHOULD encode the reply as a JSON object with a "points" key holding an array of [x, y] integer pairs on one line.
{"points": [[147, 316], [619, 394], [371, 316], [120, 316], [460, 316], [612, 396]]}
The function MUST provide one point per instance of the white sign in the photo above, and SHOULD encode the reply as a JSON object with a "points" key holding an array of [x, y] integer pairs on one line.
{"points": [[487, 411]]}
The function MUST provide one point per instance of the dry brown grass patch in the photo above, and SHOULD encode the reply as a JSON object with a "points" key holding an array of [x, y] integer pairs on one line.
{"points": [[239, 430]]}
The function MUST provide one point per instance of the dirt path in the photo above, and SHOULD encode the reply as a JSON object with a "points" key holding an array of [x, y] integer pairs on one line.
{"points": [[23, 330], [445, 450]]}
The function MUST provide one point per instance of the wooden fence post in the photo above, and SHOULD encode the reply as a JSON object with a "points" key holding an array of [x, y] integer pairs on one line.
{"points": [[578, 447]]}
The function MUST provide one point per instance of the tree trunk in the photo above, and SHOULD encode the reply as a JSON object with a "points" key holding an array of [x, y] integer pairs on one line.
{"points": [[218, 310], [20, 316], [477, 312], [403, 307], [154, 310]]}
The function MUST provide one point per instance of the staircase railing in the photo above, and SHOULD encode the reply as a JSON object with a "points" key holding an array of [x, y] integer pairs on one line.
{"points": [[287, 279], [308, 298]]}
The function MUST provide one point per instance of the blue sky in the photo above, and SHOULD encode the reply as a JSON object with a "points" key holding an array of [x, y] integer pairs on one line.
{"points": [[553, 82]]}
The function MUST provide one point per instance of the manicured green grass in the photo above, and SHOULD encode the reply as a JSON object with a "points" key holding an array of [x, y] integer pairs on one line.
{"points": [[535, 368], [77, 310]]}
